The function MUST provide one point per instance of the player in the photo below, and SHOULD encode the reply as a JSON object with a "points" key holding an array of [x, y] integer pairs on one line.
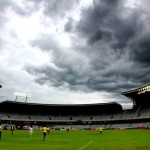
{"points": [[12, 128], [0, 131], [67, 129], [48, 130], [30, 131], [100, 130], [44, 130]]}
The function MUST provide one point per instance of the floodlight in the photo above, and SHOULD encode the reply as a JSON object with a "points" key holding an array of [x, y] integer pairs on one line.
{"points": [[22, 95]]}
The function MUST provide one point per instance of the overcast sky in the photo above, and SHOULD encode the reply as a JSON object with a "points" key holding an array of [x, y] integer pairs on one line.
{"points": [[73, 51]]}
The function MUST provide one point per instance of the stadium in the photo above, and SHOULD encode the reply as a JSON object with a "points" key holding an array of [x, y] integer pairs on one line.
{"points": [[82, 120], [81, 116]]}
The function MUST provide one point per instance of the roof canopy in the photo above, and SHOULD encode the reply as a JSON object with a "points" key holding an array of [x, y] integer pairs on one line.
{"points": [[140, 95], [59, 109]]}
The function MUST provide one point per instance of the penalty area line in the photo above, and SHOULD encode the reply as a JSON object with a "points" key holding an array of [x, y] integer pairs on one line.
{"points": [[85, 145]]}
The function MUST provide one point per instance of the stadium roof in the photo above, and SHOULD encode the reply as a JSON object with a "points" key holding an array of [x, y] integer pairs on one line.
{"points": [[140, 95], [71, 109]]}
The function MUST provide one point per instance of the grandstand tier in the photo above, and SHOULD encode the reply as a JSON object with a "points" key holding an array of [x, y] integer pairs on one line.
{"points": [[54, 114]]}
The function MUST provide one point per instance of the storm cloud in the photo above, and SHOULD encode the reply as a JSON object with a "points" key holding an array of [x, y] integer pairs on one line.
{"points": [[109, 53], [100, 46]]}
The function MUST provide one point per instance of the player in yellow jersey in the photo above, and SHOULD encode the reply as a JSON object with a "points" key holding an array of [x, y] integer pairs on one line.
{"points": [[44, 130], [100, 130], [48, 130], [0, 131]]}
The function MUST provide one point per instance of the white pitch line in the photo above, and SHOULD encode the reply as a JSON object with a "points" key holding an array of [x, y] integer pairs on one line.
{"points": [[85, 145]]}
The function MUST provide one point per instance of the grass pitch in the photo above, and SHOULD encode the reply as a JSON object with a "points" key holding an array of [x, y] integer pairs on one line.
{"points": [[77, 140]]}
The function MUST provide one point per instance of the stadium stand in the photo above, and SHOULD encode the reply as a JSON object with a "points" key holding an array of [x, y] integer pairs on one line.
{"points": [[81, 116]]}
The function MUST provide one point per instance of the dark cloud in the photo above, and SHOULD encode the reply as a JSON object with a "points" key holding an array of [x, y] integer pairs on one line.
{"points": [[122, 29], [110, 22], [69, 25], [110, 52], [54, 8], [3, 6], [141, 49], [46, 42]]}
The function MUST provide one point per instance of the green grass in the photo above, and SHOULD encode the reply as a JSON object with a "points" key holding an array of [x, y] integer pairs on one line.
{"points": [[77, 140]]}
